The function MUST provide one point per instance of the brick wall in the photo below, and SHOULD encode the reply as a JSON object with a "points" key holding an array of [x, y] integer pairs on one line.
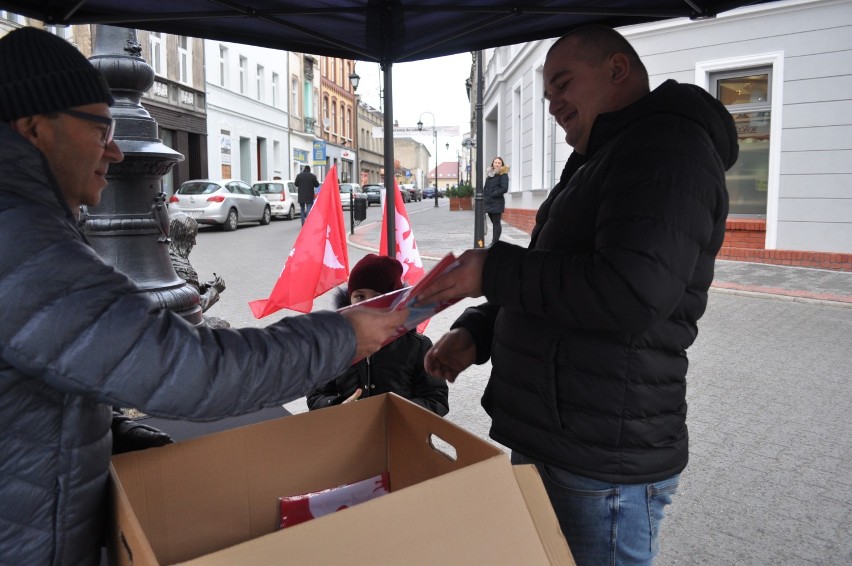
{"points": [[520, 218], [745, 240]]}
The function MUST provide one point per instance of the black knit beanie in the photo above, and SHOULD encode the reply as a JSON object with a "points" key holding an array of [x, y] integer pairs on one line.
{"points": [[377, 272], [42, 73]]}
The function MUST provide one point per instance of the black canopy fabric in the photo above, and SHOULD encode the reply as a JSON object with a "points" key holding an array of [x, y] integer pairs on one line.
{"points": [[383, 31]]}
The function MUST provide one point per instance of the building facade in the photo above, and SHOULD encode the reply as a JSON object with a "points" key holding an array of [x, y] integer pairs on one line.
{"points": [[303, 91], [411, 160], [338, 116], [783, 69], [177, 101], [371, 150], [247, 112]]}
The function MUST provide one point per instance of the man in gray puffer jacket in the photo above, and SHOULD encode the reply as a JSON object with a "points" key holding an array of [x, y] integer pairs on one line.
{"points": [[77, 337], [587, 329]]}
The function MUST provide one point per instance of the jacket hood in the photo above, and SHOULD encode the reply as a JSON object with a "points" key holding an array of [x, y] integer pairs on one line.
{"points": [[684, 100], [341, 297], [501, 171]]}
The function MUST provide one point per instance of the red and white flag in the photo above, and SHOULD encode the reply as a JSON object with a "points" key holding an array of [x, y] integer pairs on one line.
{"points": [[406, 247], [319, 259]]}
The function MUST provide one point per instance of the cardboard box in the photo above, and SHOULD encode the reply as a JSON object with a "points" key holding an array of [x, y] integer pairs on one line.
{"points": [[454, 498]]}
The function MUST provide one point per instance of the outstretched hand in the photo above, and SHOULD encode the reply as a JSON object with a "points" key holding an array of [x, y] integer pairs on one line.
{"points": [[452, 353], [373, 327], [354, 397], [463, 281]]}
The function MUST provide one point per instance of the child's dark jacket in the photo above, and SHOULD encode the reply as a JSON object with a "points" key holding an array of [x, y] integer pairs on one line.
{"points": [[396, 368]]}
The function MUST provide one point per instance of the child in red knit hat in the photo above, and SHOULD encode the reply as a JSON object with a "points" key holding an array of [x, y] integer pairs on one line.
{"points": [[397, 367]]}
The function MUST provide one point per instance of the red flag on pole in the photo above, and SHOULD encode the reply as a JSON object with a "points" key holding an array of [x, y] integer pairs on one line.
{"points": [[319, 259], [406, 247]]}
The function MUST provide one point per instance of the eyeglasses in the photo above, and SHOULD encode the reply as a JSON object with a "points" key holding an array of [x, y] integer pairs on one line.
{"points": [[108, 122]]}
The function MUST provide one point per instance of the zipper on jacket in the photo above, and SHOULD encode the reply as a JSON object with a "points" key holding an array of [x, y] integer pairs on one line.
{"points": [[369, 379]]}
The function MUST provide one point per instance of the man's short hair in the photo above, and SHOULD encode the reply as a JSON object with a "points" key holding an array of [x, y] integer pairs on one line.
{"points": [[41, 73], [597, 42]]}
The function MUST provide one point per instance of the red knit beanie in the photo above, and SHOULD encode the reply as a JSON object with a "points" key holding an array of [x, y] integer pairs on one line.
{"points": [[377, 272]]}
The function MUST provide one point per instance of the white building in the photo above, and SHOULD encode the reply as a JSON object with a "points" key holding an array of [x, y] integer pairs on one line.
{"points": [[247, 118], [784, 69]]}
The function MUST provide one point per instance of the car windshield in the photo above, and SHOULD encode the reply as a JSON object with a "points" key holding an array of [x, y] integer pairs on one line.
{"points": [[345, 188], [266, 188], [198, 188]]}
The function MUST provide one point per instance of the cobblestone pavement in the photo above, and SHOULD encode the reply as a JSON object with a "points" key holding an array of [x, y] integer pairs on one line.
{"points": [[770, 397]]}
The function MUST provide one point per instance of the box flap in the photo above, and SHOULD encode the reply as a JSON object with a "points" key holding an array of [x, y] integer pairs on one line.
{"points": [[475, 515], [543, 515], [422, 446]]}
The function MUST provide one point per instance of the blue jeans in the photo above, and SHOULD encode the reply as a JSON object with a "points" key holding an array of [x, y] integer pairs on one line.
{"points": [[305, 207], [606, 523]]}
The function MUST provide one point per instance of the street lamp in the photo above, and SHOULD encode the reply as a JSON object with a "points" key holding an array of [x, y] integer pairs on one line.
{"points": [[354, 79], [447, 145], [435, 134]]}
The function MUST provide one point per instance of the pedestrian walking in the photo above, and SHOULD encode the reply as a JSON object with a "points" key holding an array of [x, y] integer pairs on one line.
{"points": [[306, 183]]}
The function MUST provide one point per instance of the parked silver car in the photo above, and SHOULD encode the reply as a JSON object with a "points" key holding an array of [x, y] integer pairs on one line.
{"points": [[228, 203], [350, 191], [282, 196]]}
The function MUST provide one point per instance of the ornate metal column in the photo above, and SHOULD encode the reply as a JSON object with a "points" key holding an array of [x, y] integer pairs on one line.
{"points": [[129, 228]]}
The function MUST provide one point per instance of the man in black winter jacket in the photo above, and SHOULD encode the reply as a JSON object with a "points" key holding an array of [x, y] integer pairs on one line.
{"points": [[587, 329], [306, 183]]}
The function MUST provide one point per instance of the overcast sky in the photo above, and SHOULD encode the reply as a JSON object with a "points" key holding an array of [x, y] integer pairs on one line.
{"points": [[432, 85]]}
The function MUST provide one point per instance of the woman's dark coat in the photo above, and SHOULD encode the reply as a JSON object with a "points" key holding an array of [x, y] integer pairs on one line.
{"points": [[494, 189]]}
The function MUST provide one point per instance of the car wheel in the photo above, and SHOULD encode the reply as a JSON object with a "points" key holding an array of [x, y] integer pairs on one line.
{"points": [[231, 221], [292, 214], [266, 218]]}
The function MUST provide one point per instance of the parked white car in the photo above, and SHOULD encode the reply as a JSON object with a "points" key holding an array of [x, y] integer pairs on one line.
{"points": [[282, 196], [227, 203]]}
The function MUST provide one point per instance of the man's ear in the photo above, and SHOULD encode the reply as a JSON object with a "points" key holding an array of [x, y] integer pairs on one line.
{"points": [[28, 127], [619, 65]]}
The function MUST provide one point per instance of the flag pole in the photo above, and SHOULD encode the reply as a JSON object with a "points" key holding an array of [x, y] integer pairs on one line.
{"points": [[389, 177]]}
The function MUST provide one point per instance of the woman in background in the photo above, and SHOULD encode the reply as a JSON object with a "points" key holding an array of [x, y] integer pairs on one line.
{"points": [[496, 185]]}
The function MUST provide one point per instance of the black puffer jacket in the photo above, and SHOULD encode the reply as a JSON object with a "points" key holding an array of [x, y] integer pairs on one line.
{"points": [[396, 368], [587, 329], [77, 337]]}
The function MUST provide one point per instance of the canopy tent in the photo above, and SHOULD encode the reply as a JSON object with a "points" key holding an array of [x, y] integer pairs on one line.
{"points": [[382, 31]]}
